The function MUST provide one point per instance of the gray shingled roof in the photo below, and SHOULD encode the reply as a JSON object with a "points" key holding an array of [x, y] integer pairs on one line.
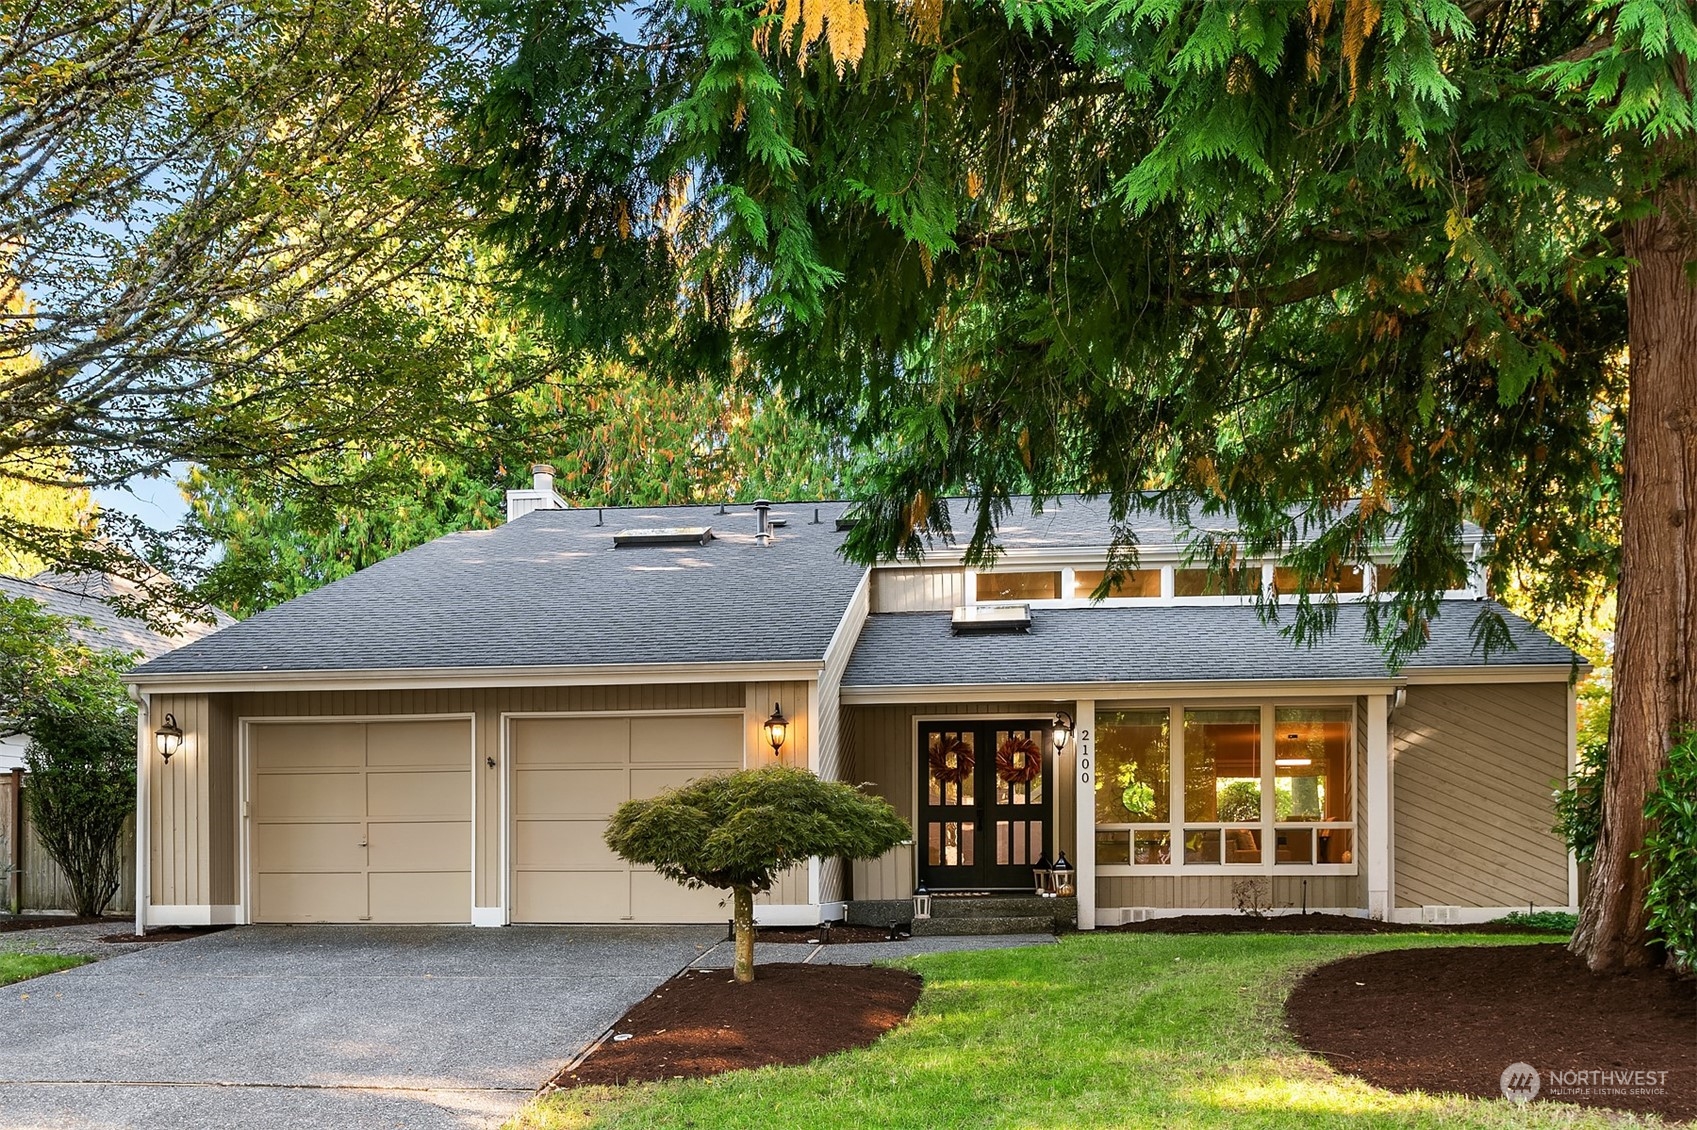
{"points": [[86, 595], [1169, 643], [550, 589]]}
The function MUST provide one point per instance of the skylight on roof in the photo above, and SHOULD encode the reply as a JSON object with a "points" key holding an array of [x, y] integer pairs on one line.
{"points": [[665, 535], [972, 619]]}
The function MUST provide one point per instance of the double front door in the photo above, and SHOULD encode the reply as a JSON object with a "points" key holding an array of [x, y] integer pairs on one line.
{"points": [[984, 808]]}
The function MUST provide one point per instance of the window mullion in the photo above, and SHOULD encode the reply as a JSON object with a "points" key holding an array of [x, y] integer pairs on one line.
{"points": [[1269, 802], [1175, 783]]}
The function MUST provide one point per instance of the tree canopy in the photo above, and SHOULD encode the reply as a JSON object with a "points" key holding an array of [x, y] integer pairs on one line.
{"points": [[1355, 272]]}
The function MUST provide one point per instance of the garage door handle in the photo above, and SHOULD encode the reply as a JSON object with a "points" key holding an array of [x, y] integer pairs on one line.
{"points": [[362, 843]]}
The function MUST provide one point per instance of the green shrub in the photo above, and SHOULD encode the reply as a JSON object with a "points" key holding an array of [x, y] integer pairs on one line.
{"points": [[1579, 806], [1670, 852], [1540, 920], [82, 781]]}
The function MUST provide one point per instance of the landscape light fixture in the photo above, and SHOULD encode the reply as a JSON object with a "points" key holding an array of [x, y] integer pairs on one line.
{"points": [[777, 729], [1064, 876], [1043, 877], [168, 738], [1062, 729]]}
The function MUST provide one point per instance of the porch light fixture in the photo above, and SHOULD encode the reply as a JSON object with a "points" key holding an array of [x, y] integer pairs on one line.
{"points": [[1043, 877], [1065, 876], [777, 729], [168, 738], [1062, 729]]}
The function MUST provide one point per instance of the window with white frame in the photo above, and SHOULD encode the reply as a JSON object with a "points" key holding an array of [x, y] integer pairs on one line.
{"points": [[1267, 787]]}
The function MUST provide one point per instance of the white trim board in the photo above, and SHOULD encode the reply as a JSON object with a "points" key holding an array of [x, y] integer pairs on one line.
{"points": [[423, 678]]}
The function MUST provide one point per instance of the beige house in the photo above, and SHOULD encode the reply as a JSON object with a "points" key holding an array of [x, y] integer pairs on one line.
{"points": [[441, 737]]}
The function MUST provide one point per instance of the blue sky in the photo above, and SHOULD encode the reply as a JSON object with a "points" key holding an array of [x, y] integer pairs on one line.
{"points": [[157, 502]]}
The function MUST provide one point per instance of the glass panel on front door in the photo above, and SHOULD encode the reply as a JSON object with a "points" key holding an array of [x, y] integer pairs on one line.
{"points": [[984, 812]]}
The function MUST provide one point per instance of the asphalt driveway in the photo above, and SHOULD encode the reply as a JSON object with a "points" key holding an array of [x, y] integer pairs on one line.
{"points": [[403, 1028]]}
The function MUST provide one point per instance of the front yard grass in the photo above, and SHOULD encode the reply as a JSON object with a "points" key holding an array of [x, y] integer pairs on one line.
{"points": [[1103, 1030], [21, 966]]}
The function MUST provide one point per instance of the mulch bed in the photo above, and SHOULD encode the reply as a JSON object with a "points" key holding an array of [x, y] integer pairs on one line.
{"points": [[10, 923], [164, 934], [1452, 1019], [1305, 924], [702, 1022], [808, 935]]}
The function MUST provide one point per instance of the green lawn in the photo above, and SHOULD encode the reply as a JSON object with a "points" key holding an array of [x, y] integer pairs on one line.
{"points": [[19, 966], [1099, 1031]]}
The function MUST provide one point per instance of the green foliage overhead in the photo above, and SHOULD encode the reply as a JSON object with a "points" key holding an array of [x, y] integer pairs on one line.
{"points": [[742, 829], [46, 671], [1255, 257], [1670, 852]]}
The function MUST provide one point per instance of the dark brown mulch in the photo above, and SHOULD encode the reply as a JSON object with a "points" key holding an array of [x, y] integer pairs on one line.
{"points": [[835, 936], [165, 934], [13, 922], [702, 1022], [1305, 924], [1452, 1019]]}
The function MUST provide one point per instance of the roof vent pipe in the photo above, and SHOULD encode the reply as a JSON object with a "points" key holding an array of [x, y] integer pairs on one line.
{"points": [[542, 477], [763, 518]]}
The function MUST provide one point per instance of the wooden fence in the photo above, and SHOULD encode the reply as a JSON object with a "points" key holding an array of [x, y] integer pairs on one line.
{"points": [[36, 882]]}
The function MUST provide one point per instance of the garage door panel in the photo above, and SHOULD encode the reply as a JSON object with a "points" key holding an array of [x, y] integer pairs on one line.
{"points": [[570, 741], [403, 787], [308, 847], [442, 744], [310, 898], [283, 745], [434, 845], [571, 896], [420, 896], [710, 739], [552, 844], [657, 899], [314, 797], [401, 793], [569, 792], [652, 782]]}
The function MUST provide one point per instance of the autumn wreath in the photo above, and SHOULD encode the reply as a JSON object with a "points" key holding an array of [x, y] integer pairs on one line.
{"points": [[940, 755], [1019, 761]]}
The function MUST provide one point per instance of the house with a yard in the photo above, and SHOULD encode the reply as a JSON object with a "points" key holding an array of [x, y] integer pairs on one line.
{"points": [[441, 737]]}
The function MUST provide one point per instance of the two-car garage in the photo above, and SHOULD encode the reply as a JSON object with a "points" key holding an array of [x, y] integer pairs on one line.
{"points": [[372, 820]]}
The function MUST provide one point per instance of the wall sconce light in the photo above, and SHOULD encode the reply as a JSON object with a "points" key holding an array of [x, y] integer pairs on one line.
{"points": [[168, 738], [777, 729], [1063, 729]]}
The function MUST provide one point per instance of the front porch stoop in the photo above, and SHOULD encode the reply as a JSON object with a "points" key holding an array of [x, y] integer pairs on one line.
{"points": [[969, 915]]}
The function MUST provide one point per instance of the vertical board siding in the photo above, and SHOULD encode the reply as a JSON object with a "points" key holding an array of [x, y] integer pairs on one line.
{"points": [[917, 590], [1214, 892], [1473, 770], [880, 752], [179, 792]]}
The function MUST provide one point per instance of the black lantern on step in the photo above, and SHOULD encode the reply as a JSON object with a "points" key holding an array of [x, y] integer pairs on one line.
{"points": [[1043, 877], [1064, 878]]}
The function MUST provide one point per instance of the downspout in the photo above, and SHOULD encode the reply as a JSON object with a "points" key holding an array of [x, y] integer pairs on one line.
{"points": [[144, 827]]}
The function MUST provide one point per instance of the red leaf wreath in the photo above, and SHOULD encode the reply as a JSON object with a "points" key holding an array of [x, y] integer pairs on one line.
{"points": [[1013, 768], [939, 757]]}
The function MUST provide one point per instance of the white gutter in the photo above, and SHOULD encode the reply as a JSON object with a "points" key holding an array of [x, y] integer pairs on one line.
{"points": [[416, 678]]}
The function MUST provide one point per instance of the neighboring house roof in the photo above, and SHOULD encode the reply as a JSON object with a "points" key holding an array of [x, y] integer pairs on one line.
{"points": [[86, 596], [550, 589], [1163, 644]]}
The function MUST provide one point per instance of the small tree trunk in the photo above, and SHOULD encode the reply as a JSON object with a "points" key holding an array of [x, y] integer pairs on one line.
{"points": [[1655, 688], [742, 901]]}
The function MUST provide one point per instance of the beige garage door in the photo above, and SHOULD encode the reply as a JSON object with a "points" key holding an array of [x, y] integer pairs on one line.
{"points": [[568, 776], [361, 821]]}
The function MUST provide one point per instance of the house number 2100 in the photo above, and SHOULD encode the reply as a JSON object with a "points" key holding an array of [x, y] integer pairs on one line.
{"points": [[1084, 756]]}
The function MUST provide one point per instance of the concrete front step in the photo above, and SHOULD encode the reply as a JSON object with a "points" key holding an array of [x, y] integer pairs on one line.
{"points": [[1001, 906], [945, 927]]}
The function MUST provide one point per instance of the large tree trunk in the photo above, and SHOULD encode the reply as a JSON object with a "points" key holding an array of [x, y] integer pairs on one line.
{"points": [[742, 904], [1655, 686]]}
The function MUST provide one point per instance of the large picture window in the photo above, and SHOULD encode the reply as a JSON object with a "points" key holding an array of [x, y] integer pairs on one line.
{"points": [[1241, 788]]}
